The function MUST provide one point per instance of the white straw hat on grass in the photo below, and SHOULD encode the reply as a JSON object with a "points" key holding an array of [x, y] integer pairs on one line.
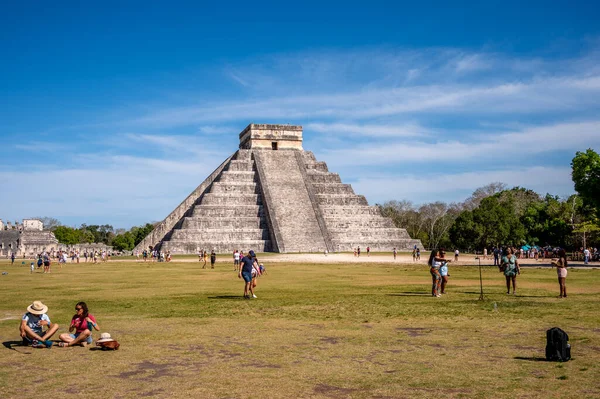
{"points": [[105, 337]]}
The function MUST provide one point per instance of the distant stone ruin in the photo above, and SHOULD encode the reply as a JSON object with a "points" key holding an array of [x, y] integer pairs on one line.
{"points": [[27, 238], [272, 196]]}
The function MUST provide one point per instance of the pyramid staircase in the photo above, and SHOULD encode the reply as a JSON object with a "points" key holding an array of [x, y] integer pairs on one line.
{"points": [[228, 216]]}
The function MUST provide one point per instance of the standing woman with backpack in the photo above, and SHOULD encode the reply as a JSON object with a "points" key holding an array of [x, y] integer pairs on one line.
{"points": [[510, 267], [561, 269]]}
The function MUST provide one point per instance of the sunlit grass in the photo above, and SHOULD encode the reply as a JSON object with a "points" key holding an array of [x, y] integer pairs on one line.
{"points": [[316, 330]]}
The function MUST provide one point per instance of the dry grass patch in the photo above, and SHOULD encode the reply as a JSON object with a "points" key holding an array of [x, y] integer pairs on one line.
{"points": [[322, 331]]}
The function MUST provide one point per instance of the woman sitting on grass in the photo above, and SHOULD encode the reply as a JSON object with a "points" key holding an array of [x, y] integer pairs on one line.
{"points": [[561, 269], [82, 324], [510, 267]]}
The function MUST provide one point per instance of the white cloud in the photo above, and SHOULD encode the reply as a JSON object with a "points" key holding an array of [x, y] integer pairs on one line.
{"points": [[369, 130], [457, 187], [528, 141]]}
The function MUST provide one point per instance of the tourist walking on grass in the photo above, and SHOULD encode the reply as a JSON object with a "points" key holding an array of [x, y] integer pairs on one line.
{"points": [[510, 267], [213, 258], [82, 325], [46, 263], [32, 326], [246, 267], [236, 260], [561, 270], [395, 253]]}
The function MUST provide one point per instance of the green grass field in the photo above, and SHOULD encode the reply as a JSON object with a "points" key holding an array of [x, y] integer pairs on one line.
{"points": [[315, 331]]}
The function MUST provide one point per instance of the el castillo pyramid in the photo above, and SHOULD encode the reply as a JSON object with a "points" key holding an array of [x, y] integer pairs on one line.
{"points": [[272, 196]]}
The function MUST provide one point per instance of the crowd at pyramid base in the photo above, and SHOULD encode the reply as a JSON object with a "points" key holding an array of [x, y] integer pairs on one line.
{"points": [[272, 196]]}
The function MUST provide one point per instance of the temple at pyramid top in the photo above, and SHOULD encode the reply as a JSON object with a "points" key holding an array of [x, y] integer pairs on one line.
{"points": [[272, 137], [272, 195]]}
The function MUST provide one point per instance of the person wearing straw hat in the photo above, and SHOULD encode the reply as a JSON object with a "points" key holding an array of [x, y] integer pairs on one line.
{"points": [[32, 326], [82, 325]]}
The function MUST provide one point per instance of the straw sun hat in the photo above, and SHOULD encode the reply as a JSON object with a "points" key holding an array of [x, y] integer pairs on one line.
{"points": [[105, 337], [37, 307]]}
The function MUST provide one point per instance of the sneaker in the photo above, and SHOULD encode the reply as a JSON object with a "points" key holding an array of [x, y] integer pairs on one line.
{"points": [[254, 296], [48, 343], [439, 295]]}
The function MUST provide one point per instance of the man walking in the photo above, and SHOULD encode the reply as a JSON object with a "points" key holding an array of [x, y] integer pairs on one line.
{"points": [[586, 256], [246, 265]]}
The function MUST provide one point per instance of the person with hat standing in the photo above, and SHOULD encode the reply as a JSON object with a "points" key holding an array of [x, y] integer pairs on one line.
{"points": [[82, 325], [32, 326]]}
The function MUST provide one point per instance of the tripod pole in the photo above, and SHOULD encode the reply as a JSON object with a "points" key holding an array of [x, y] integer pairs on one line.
{"points": [[480, 281]]}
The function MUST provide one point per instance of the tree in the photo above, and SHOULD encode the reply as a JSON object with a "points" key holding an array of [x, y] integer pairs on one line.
{"points": [[49, 223], [67, 235], [586, 176], [404, 215], [438, 217], [483, 192]]}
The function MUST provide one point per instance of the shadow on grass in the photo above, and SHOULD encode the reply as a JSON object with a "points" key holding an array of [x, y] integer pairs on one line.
{"points": [[411, 293], [506, 295], [532, 359], [13, 345], [230, 297]]}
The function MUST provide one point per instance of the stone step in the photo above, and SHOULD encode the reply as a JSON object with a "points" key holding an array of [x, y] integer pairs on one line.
{"points": [[201, 235], [309, 157], [347, 211], [320, 177], [341, 199], [240, 165], [376, 246], [241, 188], [237, 176], [369, 234], [230, 199], [358, 222], [317, 166], [201, 211], [224, 223], [333, 188], [243, 155], [225, 248]]}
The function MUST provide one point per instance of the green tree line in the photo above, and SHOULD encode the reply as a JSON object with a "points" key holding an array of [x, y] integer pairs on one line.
{"points": [[495, 215], [120, 240]]}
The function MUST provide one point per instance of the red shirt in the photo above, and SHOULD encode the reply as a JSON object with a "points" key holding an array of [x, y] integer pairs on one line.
{"points": [[81, 323]]}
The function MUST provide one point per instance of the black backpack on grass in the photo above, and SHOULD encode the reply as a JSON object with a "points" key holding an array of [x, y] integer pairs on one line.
{"points": [[558, 348]]}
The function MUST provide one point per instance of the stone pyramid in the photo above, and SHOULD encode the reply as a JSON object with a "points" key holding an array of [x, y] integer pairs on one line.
{"points": [[272, 196]]}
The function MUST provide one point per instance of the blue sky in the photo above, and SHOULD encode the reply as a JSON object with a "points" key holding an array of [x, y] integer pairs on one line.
{"points": [[113, 113]]}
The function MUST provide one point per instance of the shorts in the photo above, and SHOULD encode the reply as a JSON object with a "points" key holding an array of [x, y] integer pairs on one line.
{"points": [[247, 276], [236, 262], [562, 272], [88, 339]]}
